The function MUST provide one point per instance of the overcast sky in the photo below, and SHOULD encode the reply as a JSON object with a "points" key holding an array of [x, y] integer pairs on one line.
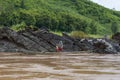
{"points": [[109, 3]]}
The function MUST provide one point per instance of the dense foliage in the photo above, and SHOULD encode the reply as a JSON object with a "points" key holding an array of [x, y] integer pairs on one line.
{"points": [[58, 15], [78, 34], [114, 27]]}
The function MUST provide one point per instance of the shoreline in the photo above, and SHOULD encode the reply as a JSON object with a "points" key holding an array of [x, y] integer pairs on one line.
{"points": [[51, 53]]}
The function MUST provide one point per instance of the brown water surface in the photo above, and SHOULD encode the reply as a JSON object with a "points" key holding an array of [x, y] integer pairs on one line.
{"points": [[60, 66]]}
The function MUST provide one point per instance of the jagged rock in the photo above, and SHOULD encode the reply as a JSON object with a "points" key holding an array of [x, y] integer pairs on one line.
{"points": [[41, 40], [103, 46], [25, 41]]}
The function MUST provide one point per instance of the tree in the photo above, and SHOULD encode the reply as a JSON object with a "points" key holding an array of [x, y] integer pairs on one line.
{"points": [[114, 27], [22, 5], [92, 28]]}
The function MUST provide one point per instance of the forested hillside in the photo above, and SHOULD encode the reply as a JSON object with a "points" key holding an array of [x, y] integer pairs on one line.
{"points": [[59, 15]]}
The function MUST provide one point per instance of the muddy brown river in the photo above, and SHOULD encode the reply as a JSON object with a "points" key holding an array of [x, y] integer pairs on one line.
{"points": [[59, 66]]}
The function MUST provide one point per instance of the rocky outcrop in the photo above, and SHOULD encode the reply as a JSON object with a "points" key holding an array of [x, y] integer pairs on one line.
{"points": [[41, 40]]}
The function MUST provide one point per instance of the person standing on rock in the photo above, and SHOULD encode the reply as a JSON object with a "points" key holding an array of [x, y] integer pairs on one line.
{"points": [[59, 47]]}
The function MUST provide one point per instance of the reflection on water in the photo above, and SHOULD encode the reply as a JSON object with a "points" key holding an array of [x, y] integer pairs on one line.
{"points": [[60, 66]]}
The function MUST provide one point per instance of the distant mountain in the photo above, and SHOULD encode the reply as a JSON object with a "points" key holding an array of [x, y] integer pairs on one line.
{"points": [[58, 15]]}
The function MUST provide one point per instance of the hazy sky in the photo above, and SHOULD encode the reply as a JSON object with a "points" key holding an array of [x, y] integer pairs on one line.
{"points": [[109, 3]]}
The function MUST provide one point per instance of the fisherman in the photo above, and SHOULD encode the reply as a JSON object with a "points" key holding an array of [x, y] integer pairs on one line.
{"points": [[59, 46]]}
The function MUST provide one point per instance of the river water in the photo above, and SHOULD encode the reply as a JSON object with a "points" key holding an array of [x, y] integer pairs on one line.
{"points": [[59, 66]]}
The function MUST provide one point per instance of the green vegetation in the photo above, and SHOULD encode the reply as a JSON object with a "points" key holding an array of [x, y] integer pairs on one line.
{"points": [[114, 27], [18, 27], [58, 33], [58, 15], [95, 36], [78, 34]]}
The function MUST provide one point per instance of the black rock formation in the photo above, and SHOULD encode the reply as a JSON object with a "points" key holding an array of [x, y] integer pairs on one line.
{"points": [[41, 40]]}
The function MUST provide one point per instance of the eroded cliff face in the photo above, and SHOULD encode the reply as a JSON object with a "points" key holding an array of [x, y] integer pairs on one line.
{"points": [[42, 40]]}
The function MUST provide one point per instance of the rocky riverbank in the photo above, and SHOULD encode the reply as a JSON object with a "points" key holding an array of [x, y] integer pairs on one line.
{"points": [[41, 40]]}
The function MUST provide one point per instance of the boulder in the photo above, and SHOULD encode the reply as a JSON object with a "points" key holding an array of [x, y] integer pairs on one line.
{"points": [[103, 46]]}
